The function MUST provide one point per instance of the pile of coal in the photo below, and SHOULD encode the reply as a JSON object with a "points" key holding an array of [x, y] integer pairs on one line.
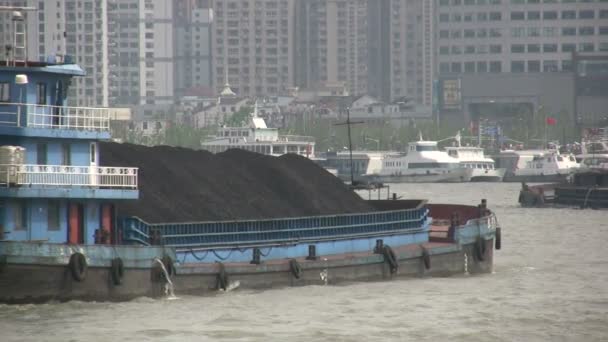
{"points": [[184, 185]]}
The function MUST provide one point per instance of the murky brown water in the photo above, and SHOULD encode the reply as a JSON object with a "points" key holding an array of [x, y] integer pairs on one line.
{"points": [[550, 284]]}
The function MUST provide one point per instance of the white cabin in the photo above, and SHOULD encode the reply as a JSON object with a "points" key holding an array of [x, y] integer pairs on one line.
{"points": [[257, 137]]}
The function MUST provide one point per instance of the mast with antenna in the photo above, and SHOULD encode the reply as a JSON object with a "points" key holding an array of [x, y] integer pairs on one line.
{"points": [[350, 143]]}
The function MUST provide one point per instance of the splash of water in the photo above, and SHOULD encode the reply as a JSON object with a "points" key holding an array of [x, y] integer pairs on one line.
{"points": [[169, 291], [466, 264]]}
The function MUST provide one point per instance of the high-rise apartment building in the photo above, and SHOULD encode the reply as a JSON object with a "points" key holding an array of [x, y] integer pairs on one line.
{"points": [[332, 44], [142, 52], [379, 47], [193, 20], [74, 28], [158, 49], [516, 36], [253, 46]]}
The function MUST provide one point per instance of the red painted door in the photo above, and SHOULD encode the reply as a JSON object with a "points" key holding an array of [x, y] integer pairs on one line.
{"points": [[75, 224], [106, 221]]}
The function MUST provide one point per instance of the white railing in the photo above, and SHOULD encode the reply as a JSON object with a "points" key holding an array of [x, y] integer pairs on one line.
{"points": [[12, 175], [59, 117]]}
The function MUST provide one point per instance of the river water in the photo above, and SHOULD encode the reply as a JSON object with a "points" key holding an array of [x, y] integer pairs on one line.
{"points": [[550, 284]]}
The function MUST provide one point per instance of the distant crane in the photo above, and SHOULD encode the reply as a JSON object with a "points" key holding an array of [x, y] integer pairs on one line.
{"points": [[17, 52]]}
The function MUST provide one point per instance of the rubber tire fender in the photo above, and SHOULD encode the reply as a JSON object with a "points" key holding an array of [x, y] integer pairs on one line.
{"points": [[426, 258], [391, 258], [168, 263], [117, 270], [222, 278], [498, 239], [295, 268], [480, 249], [78, 266]]}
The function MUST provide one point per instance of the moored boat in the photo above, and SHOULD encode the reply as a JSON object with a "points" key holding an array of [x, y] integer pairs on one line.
{"points": [[423, 163], [483, 168], [62, 239], [536, 165]]}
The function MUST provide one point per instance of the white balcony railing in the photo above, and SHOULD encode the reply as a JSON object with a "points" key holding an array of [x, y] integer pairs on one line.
{"points": [[68, 176], [59, 117]]}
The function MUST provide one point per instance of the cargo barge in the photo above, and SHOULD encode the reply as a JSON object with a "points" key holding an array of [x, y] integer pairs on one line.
{"points": [[62, 239]]}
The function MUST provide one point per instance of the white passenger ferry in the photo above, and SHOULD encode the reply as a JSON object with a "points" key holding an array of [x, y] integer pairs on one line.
{"points": [[423, 163], [484, 168], [257, 137], [536, 165]]}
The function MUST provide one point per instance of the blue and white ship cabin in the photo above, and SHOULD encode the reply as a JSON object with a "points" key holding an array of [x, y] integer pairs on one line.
{"points": [[52, 188]]}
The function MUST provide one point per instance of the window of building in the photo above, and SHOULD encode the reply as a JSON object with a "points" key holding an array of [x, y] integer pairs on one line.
{"points": [[586, 31], [456, 50], [444, 50], [518, 48], [482, 33], [482, 67], [469, 49], [41, 154], [533, 47], [495, 66], [533, 31], [469, 67], [550, 66], [550, 15], [568, 14], [497, 48], [495, 16], [534, 15], [469, 33], [550, 31], [549, 47], [518, 15], [495, 32], [533, 66], [53, 215], [568, 47], [5, 95], [444, 18], [456, 67], [41, 93], [603, 30], [603, 13], [586, 14], [444, 67], [586, 47], [518, 32], [518, 66], [66, 157], [567, 65], [482, 16], [568, 31], [444, 34]]}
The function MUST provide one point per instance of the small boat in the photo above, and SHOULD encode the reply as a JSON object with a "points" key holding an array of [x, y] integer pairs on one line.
{"points": [[423, 163], [536, 165]]}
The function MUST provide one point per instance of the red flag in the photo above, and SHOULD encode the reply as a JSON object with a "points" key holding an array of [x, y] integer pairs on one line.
{"points": [[551, 121]]}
